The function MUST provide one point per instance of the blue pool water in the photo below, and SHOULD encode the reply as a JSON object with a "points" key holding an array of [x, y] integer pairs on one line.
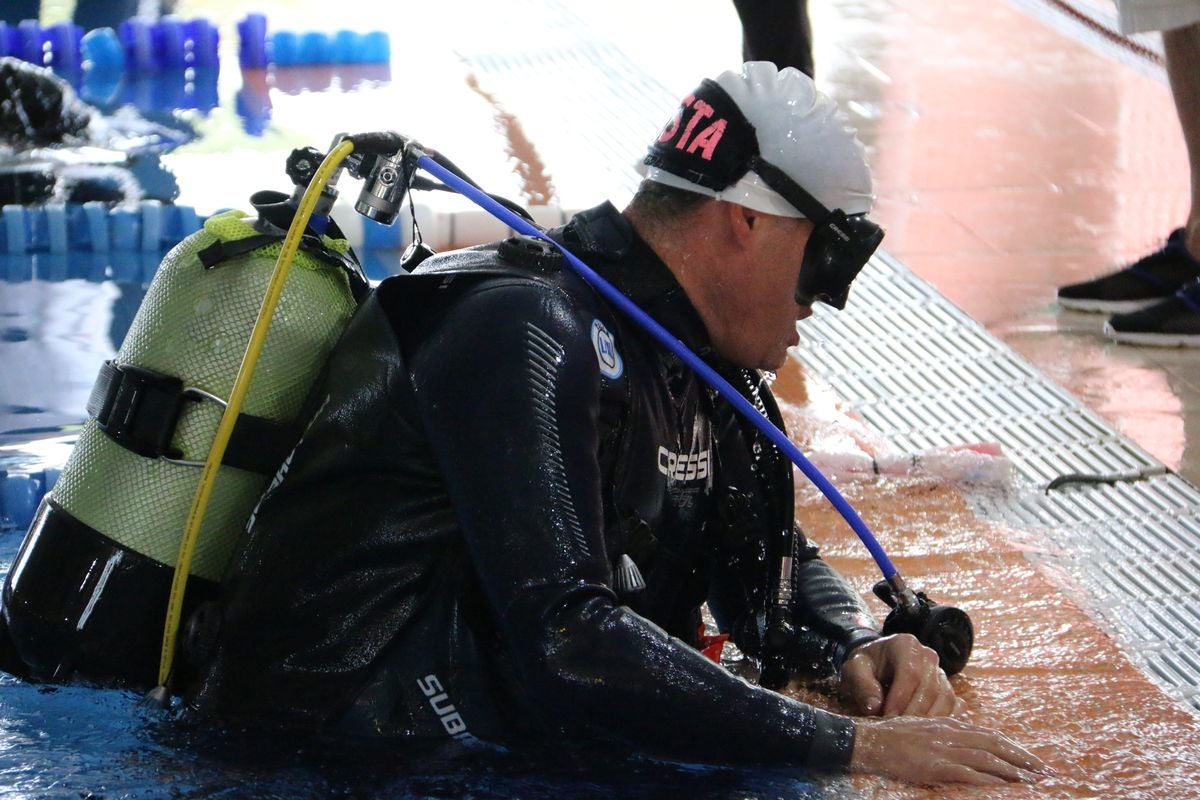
{"points": [[73, 742]]}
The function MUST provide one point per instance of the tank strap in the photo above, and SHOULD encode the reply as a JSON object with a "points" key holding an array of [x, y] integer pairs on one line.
{"points": [[222, 250], [139, 409]]}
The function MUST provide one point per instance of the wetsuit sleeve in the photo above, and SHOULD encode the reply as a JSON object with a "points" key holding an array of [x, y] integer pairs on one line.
{"points": [[830, 618], [509, 387]]}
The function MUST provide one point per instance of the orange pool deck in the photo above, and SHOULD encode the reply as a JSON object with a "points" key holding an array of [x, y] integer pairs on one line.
{"points": [[1014, 151]]}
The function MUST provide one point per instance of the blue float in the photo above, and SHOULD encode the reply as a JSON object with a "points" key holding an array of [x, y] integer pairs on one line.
{"points": [[60, 228], [19, 498], [257, 50]]}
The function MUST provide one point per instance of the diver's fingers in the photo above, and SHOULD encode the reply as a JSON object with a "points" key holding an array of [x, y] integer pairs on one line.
{"points": [[961, 773], [925, 750], [960, 708], [934, 697], [900, 693], [986, 739], [897, 676], [861, 685], [916, 679], [993, 767], [945, 703]]}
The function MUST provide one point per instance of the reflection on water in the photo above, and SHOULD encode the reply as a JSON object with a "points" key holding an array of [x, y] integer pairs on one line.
{"points": [[60, 318], [155, 95]]}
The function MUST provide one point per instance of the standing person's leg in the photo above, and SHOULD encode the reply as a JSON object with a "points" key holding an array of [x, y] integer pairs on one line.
{"points": [[1182, 49], [1156, 278], [777, 31], [1176, 319]]}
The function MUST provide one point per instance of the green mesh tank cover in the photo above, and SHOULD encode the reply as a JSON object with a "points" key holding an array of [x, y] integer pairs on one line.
{"points": [[195, 323]]}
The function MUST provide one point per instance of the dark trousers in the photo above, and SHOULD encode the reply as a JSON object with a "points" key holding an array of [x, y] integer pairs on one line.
{"points": [[89, 14], [777, 31]]}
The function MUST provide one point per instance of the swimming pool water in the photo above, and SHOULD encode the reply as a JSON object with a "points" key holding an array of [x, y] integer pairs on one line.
{"points": [[76, 742]]}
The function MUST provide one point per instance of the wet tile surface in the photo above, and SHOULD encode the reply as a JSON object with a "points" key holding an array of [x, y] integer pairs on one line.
{"points": [[1010, 160]]}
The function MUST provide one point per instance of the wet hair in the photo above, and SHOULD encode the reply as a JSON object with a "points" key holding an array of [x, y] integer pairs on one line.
{"points": [[665, 203]]}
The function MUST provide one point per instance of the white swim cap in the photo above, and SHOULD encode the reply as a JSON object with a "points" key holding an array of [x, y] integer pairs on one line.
{"points": [[776, 115]]}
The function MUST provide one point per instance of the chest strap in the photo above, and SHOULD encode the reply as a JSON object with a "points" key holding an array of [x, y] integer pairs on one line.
{"points": [[139, 409]]}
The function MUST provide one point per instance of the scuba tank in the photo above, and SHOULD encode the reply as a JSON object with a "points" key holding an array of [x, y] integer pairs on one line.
{"points": [[85, 597], [138, 506]]}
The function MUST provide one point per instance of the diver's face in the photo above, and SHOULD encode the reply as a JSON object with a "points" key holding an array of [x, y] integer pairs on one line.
{"points": [[768, 300]]}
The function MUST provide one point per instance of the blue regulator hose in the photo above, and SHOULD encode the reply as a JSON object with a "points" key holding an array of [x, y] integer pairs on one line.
{"points": [[667, 340]]}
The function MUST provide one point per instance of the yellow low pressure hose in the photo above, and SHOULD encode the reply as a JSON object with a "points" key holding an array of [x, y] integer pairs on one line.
{"points": [[241, 386]]}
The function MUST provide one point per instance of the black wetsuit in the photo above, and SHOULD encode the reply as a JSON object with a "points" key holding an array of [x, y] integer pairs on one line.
{"points": [[442, 557]]}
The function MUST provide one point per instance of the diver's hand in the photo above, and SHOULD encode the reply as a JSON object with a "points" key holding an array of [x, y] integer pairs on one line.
{"points": [[923, 750], [895, 676]]}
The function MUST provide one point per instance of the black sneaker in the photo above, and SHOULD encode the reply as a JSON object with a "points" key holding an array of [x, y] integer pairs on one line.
{"points": [[1174, 322], [1141, 284]]}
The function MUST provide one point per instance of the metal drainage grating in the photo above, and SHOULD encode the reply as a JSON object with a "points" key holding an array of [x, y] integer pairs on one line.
{"points": [[924, 374]]}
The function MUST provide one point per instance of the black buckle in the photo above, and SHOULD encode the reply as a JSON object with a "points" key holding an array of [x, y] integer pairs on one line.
{"points": [[137, 408]]}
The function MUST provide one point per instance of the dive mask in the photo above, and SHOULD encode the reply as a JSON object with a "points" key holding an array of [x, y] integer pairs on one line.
{"points": [[838, 248]]}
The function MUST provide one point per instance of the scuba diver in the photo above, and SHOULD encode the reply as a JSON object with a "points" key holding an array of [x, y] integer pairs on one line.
{"points": [[510, 504]]}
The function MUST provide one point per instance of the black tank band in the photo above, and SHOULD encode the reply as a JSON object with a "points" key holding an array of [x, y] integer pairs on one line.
{"points": [[139, 409], [77, 603]]}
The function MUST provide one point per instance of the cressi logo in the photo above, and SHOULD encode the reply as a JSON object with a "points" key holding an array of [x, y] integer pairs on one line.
{"points": [[683, 466], [693, 129], [611, 365]]}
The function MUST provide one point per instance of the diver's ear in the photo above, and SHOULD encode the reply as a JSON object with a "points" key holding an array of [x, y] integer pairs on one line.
{"points": [[741, 222]]}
